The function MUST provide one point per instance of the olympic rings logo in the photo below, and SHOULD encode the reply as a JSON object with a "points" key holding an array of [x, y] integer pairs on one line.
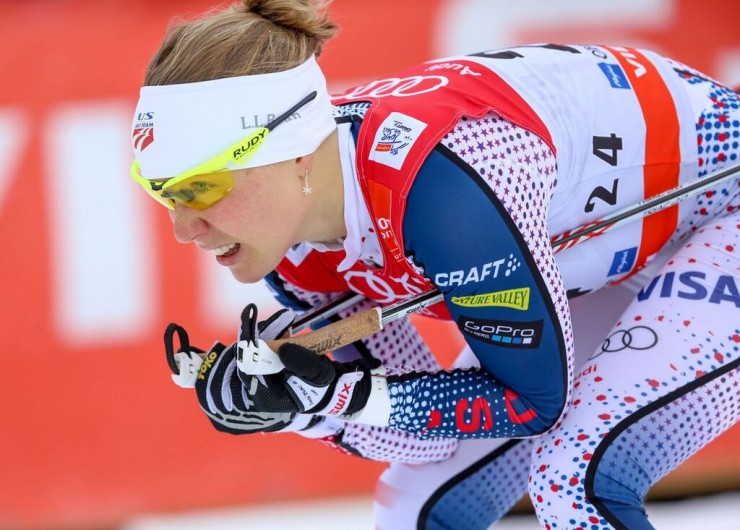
{"points": [[637, 338], [399, 87]]}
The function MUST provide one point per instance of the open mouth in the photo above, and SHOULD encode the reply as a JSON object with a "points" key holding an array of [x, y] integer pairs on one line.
{"points": [[227, 250]]}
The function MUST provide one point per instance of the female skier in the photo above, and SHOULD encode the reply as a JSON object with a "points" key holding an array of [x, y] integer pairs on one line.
{"points": [[454, 175]]}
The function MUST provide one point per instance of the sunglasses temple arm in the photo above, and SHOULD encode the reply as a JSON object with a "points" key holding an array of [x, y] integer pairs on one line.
{"points": [[284, 116]]}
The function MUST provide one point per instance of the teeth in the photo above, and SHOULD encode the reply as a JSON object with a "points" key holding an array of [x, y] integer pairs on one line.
{"points": [[220, 251]]}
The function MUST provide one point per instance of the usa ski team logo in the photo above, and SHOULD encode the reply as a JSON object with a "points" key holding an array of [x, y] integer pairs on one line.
{"points": [[394, 139], [143, 134]]}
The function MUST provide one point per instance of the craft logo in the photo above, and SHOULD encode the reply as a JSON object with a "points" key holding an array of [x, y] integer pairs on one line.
{"points": [[143, 134], [513, 298], [502, 333], [615, 75], [623, 261], [394, 139], [478, 274]]}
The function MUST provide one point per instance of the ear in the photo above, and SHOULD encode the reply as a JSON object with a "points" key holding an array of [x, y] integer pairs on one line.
{"points": [[304, 165]]}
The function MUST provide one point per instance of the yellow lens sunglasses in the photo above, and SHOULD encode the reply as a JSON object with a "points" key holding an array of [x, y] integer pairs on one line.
{"points": [[208, 183]]}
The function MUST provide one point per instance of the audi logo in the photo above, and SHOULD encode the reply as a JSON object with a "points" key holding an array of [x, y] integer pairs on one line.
{"points": [[366, 281], [635, 338], [399, 87]]}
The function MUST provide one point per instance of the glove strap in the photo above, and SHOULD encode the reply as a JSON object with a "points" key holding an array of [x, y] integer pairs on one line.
{"points": [[311, 396], [377, 411], [256, 358], [189, 364], [310, 426]]}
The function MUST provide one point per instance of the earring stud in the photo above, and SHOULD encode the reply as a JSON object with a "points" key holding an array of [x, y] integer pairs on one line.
{"points": [[306, 188]]}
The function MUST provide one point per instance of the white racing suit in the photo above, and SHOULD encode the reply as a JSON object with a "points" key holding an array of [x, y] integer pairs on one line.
{"points": [[592, 370]]}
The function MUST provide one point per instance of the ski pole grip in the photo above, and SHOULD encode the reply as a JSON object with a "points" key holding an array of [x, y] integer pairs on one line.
{"points": [[261, 358], [336, 335]]}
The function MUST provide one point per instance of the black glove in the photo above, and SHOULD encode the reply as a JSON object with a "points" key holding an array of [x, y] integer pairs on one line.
{"points": [[325, 387], [221, 395], [224, 400], [311, 383]]}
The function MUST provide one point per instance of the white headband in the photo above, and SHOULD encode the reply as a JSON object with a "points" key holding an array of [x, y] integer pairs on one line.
{"points": [[177, 127]]}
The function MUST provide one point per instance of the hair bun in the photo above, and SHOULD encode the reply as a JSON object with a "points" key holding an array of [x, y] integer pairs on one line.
{"points": [[248, 37], [304, 16]]}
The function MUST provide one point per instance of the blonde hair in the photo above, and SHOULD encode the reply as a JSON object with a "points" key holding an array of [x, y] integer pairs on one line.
{"points": [[250, 37]]}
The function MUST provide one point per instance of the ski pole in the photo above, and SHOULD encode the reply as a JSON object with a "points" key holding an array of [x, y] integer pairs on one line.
{"points": [[559, 243], [365, 323]]}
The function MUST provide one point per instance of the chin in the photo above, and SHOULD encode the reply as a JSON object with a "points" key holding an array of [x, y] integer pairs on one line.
{"points": [[251, 270], [243, 276], [253, 267]]}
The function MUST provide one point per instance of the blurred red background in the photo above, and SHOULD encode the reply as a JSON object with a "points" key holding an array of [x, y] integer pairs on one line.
{"points": [[93, 429]]}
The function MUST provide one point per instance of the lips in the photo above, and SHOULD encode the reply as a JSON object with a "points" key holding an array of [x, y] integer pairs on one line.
{"points": [[226, 250], [227, 255]]}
